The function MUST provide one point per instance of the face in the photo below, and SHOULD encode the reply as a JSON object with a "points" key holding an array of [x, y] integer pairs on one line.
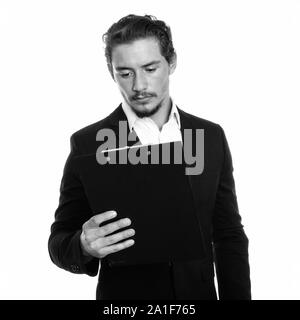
{"points": [[142, 75]]}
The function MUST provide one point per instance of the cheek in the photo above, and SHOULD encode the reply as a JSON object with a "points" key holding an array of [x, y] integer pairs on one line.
{"points": [[161, 83], [124, 86]]}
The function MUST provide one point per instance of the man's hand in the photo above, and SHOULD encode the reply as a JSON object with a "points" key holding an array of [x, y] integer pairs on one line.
{"points": [[97, 242]]}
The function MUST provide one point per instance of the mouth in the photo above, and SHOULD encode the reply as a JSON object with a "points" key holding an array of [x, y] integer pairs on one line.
{"points": [[142, 99]]}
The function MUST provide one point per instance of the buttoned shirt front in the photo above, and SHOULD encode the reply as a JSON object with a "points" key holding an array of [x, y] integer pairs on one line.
{"points": [[147, 130]]}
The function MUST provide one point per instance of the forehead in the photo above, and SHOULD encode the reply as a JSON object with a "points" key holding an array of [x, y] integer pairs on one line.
{"points": [[136, 53]]}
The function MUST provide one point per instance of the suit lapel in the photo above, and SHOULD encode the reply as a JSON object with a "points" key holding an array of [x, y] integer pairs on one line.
{"points": [[194, 180], [114, 121], [186, 123]]}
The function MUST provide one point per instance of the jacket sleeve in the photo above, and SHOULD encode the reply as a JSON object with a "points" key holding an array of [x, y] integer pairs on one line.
{"points": [[230, 242], [73, 210]]}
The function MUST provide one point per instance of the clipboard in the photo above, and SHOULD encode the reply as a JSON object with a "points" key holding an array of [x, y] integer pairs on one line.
{"points": [[163, 231]]}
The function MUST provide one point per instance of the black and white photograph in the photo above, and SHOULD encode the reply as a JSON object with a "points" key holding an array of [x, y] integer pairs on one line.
{"points": [[150, 150]]}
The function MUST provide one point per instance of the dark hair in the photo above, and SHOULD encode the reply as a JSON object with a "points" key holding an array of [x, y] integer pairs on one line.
{"points": [[133, 27]]}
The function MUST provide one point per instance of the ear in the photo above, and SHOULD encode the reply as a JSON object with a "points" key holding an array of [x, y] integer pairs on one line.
{"points": [[173, 64]]}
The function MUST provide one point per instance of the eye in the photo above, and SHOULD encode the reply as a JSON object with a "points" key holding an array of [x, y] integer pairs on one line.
{"points": [[150, 69], [125, 74]]}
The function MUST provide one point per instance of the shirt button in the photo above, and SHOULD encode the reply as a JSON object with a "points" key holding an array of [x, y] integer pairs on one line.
{"points": [[74, 268]]}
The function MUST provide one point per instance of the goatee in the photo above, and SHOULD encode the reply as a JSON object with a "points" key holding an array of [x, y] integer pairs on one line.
{"points": [[147, 113]]}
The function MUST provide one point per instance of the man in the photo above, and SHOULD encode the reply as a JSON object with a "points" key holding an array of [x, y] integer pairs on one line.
{"points": [[88, 231]]}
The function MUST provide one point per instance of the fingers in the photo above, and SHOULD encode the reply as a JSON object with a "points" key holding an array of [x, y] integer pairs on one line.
{"points": [[106, 245], [102, 242], [110, 240], [99, 242], [113, 226], [115, 248], [92, 234], [99, 218]]}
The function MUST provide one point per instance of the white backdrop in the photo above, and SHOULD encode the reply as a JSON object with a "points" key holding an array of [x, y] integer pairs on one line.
{"points": [[238, 65]]}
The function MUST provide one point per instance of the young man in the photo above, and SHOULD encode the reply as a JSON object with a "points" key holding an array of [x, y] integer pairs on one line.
{"points": [[170, 226]]}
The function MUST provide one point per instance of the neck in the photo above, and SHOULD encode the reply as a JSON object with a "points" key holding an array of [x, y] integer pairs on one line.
{"points": [[162, 115]]}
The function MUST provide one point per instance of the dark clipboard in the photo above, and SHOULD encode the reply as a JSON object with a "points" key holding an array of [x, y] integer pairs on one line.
{"points": [[161, 233]]}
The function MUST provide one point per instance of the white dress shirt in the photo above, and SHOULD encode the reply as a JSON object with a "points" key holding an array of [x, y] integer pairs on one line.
{"points": [[148, 131]]}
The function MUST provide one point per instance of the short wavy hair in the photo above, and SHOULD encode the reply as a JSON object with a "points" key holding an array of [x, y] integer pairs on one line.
{"points": [[133, 27]]}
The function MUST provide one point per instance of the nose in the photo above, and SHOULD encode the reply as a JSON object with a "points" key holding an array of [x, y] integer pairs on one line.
{"points": [[139, 83]]}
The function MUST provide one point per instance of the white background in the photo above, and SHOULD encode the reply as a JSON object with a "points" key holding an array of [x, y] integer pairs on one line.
{"points": [[238, 65]]}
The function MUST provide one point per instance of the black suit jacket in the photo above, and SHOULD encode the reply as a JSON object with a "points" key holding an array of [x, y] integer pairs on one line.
{"points": [[224, 239]]}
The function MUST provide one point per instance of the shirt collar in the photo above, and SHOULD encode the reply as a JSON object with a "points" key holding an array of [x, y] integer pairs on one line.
{"points": [[132, 117]]}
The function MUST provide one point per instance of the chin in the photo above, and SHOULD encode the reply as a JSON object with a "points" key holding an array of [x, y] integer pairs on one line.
{"points": [[146, 110]]}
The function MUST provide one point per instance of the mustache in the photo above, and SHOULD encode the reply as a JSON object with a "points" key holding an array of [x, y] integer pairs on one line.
{"points": [[143, 95]]}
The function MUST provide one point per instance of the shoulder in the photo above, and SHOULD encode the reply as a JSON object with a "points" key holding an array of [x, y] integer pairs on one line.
{"points": [[84, 139], [199, 123], [92, 128], [89, 130], [215, 145], [214, 134]]}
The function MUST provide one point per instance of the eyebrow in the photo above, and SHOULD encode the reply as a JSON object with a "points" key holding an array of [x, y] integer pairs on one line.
{"points": [[143, 66]]}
